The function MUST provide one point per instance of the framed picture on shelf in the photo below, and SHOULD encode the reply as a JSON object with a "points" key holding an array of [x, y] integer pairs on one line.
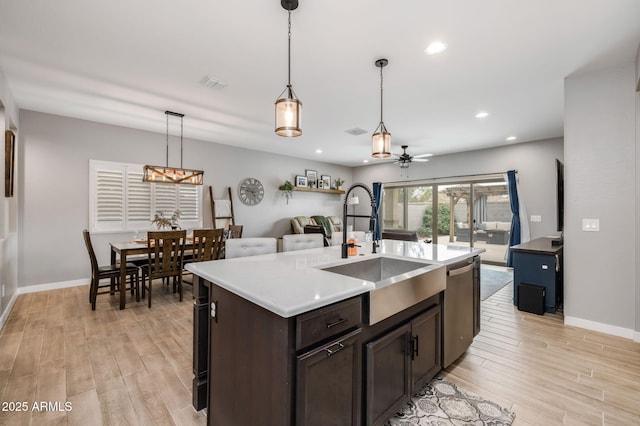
{"points": [[301, 181], [9, 162], [326, 181], [312, 178]]}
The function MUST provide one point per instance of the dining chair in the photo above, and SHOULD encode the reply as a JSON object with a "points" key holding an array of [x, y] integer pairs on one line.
{"points": [[302, 241], [235, 231], [166, 252], [111, 272], [241, 247], [208, 244]]}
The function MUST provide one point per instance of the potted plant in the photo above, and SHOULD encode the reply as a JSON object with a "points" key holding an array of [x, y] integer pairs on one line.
{"points": [[339, 183], [287, 190], [162, 222]]}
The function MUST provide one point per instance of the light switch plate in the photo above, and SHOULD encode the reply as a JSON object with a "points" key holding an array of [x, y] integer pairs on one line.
{"points": [[591, 225], [536, 218]]}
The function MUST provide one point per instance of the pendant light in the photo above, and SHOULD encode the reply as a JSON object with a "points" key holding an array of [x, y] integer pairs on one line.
{"points": [[166, 174], [288, 107], [381, 139]]}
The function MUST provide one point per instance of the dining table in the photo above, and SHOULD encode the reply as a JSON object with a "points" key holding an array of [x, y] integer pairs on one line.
{"points": [[132, 248]]}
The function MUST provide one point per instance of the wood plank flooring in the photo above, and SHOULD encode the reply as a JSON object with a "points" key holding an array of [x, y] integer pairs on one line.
{"points": [[134, 366]]}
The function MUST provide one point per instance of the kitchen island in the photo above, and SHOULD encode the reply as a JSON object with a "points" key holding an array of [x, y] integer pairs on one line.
{"points": [[279, 339]]}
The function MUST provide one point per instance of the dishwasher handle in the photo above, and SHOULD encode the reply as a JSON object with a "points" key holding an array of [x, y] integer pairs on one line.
{"points": [[460, 271]]}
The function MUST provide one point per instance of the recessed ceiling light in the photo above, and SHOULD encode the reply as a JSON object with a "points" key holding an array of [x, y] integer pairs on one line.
{"points": [[365, 161], [512, 138], [435, 48], [482, 114], [318, 151]]}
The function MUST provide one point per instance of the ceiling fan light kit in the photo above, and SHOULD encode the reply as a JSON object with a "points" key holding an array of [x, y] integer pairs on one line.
{"points": [[166, 174], [288, 106], [381, 138]]}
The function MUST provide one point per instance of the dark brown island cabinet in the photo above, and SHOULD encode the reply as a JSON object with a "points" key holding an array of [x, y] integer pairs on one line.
{"points": [[323, 367]]}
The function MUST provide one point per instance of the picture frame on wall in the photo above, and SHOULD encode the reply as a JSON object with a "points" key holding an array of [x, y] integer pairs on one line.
{"points": [[312, 178], [301, 181], [9, 162], [326, 181]]}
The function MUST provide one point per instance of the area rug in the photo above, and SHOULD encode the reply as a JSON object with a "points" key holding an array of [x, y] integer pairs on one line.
{"points": [[444, 403], [492, 280]]}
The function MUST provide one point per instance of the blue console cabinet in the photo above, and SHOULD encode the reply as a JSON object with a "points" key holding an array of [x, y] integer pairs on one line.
{"points": [[538, 262]]}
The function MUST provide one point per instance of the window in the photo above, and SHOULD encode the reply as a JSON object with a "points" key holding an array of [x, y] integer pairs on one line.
{"points": [[120, 201]]}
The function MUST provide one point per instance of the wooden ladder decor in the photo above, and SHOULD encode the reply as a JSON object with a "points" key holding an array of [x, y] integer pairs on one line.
{"points": [[214, 217]]}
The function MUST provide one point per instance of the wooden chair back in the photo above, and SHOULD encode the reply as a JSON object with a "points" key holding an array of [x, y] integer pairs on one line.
{"points": [[92, 254], [235, 231], [166, 251], [207, 244]]}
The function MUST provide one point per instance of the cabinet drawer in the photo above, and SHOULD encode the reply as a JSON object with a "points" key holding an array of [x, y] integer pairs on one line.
{"points": [[323, 323]]}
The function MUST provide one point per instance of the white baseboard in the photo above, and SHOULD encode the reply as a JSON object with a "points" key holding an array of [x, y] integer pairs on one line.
{"points": [[53, 286], [5, 314], [613, 330]]}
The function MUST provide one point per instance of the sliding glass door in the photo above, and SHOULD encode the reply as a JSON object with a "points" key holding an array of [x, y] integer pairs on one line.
{"points": [[473, 212]]}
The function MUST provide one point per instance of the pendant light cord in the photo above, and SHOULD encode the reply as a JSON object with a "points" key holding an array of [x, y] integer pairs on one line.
{"points": [[289, 53], [381, 90], [168, 113]]}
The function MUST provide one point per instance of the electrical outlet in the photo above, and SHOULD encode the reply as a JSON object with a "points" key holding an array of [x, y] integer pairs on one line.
{"points": [[591, 225], [2, 290]]}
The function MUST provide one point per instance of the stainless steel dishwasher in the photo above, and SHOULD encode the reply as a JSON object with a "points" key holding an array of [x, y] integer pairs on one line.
{"points": [[461, 309]]}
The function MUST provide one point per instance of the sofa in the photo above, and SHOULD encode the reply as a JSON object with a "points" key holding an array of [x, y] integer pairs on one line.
{"points": [[329, 223], [496, 232], [491, 232]]}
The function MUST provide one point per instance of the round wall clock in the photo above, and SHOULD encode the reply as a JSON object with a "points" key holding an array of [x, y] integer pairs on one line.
{"points": [[251, 191]]}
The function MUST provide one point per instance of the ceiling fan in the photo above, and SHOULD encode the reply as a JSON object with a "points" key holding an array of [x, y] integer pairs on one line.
{"points": [[405, 159]]}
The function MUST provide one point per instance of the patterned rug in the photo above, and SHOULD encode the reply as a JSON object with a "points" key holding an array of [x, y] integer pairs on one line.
{"points": [[444, 403]]}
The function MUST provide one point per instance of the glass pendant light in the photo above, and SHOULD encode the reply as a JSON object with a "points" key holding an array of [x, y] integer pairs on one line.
{"points": [[288, 106], [381, 139]]}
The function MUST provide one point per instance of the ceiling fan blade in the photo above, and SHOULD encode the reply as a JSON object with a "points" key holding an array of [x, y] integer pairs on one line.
{"points": [[422, 155], [420, 160]]}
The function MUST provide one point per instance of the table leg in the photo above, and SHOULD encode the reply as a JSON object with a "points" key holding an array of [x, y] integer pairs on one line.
{"points": [[123, 278]]}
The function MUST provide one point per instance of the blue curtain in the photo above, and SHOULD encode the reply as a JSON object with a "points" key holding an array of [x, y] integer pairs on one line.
{"points": [[514, 238], [377, 198]]}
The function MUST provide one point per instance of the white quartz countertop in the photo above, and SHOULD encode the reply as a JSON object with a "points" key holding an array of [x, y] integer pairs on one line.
{"points": [[291, 283]]}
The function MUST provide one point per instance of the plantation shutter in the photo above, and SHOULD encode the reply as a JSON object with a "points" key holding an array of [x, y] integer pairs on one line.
{"points": [[138, 200], [109, 200], [120, 201]]}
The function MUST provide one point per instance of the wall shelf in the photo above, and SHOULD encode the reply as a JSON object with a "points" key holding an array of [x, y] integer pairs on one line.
{"points": [[326, 191]]}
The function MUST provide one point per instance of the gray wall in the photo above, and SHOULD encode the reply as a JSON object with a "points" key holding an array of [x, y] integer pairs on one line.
{"points": [[8, 207], [600, 169], [535, 162], [55, 184]]}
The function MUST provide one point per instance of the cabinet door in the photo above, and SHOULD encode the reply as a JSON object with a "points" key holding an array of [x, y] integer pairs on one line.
{"points": [[387, 374], [328, 383], [425, 348]]}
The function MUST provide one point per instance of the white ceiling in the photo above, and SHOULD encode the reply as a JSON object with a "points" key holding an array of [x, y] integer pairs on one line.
{"points": [[126, 62]]}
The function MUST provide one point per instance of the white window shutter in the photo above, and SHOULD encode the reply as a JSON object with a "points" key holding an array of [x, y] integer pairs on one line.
{"points": [[109, 199], [138, 201]]}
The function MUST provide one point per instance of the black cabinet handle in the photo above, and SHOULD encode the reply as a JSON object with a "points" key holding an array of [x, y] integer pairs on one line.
{"points": [[334, 323], [330, 352], [414, 350]]}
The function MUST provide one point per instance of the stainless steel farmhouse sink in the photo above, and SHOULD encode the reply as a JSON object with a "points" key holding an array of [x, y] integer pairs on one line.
{"points": [[400, 283]]}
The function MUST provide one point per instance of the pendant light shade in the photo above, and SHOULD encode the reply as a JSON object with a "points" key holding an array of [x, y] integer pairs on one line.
{"points": [[381, 139], [166, 174], [288, 115], [288, 106]]}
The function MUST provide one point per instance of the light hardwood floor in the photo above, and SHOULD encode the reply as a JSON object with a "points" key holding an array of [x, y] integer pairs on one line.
{"points": [[134, 366]]}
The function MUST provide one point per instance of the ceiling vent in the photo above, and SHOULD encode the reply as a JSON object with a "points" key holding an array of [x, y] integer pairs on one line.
{"points": [[212, 83], [356, 131]]}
